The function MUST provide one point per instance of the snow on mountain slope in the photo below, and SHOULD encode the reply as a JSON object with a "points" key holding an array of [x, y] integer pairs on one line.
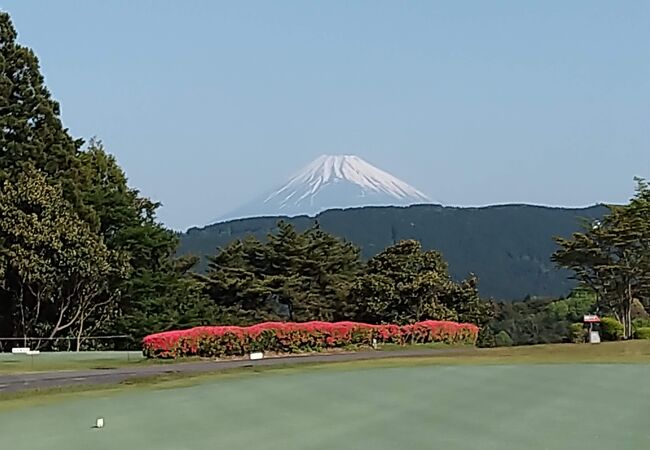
{"points": [[333, 181]]}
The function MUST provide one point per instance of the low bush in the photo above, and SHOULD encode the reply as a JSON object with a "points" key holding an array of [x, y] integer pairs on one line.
{"points": [[640, 323], [486, 338], [611, 329], [503, 339], [578, 333], [286, 337], [642, 333]]}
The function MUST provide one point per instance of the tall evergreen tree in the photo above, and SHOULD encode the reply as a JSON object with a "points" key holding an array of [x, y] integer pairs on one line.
{"points": [[236, 282], [315, 270], [295, 276], [31, 132]]}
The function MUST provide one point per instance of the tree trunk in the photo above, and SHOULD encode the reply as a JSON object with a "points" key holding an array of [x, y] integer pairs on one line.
{"points": [[21, 297], [81, 327], [628, 312]]}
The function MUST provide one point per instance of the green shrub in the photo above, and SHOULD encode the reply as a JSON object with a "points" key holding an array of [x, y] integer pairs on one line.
{"points": [[503, 339], [642, 333], [577, 333], [611, 329], [640, 323], [486, 338]]}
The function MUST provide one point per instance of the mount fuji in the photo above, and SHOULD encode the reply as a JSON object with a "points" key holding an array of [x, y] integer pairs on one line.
{"points": [[332, 181]]}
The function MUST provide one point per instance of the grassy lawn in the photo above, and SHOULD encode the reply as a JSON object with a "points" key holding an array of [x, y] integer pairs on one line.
{"points": [[10, 363], [637, 351], [629, 352], [632, 351], [414, 403]]}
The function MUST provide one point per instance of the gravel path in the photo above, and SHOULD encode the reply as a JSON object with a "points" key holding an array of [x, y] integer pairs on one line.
{"points": [[47, 380]]}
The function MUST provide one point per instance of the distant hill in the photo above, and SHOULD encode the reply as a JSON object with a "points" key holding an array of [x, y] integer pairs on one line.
{"points": [[508, 247]]}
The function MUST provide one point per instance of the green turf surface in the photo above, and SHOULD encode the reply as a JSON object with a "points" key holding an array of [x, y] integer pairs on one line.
{"points": [[560, 406], [626, 351], [47, 361]]}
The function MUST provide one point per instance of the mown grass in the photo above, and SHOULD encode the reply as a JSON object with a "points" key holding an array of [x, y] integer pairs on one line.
{"points": [[631, 352], [432, 345], [66, 361], [52, 362]]}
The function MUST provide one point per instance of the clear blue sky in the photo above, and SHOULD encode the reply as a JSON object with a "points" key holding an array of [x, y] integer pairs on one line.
{"points": [[207, 104]]}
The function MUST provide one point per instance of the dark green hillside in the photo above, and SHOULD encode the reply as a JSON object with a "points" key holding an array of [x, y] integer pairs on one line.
{"points": [[508, 247]]}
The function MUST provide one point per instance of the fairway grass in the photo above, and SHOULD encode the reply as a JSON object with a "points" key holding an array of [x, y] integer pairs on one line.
{"points": [[630, 351], [358, 406], [55, 361]]}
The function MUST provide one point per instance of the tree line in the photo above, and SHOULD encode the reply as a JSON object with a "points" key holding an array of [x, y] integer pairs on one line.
{"points": [[312, 275]]}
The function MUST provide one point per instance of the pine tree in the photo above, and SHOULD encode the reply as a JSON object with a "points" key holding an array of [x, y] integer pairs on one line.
{"points": [[236, 281], [296, 276], [31, 131]]}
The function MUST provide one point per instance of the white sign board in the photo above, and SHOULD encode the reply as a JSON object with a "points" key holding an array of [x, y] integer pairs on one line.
{"points": [[258, 355], [594, 337], [20, 350]]}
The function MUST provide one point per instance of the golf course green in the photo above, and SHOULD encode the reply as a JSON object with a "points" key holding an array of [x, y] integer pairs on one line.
{"points": [[517, 406]]}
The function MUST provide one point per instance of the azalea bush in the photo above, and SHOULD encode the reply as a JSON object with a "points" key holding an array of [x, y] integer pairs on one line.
{"points": [[287, 337]]}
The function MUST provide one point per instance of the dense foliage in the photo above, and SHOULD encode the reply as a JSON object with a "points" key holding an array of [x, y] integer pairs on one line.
{"points": [[552, 321], [287, 337], [612, 257], [292, 276], [543, 321], [642, 333], [405, 284], [612, 329], [311, 275]]}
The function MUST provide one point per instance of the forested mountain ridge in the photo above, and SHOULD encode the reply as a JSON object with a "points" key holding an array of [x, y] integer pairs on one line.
{"points": [[507, 246]]}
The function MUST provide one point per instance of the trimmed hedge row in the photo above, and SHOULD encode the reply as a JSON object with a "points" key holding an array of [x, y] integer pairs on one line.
{"points": [[286, 337]]}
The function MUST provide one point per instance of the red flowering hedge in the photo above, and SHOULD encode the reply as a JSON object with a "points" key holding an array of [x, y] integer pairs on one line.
{"points": [[286, 337]]}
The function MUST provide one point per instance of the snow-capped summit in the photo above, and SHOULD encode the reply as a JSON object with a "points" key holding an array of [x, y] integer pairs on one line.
{"points": [[333, 181]]}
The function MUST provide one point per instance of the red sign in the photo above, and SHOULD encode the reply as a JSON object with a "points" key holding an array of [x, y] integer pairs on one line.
{"points": [[591, 319]]}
